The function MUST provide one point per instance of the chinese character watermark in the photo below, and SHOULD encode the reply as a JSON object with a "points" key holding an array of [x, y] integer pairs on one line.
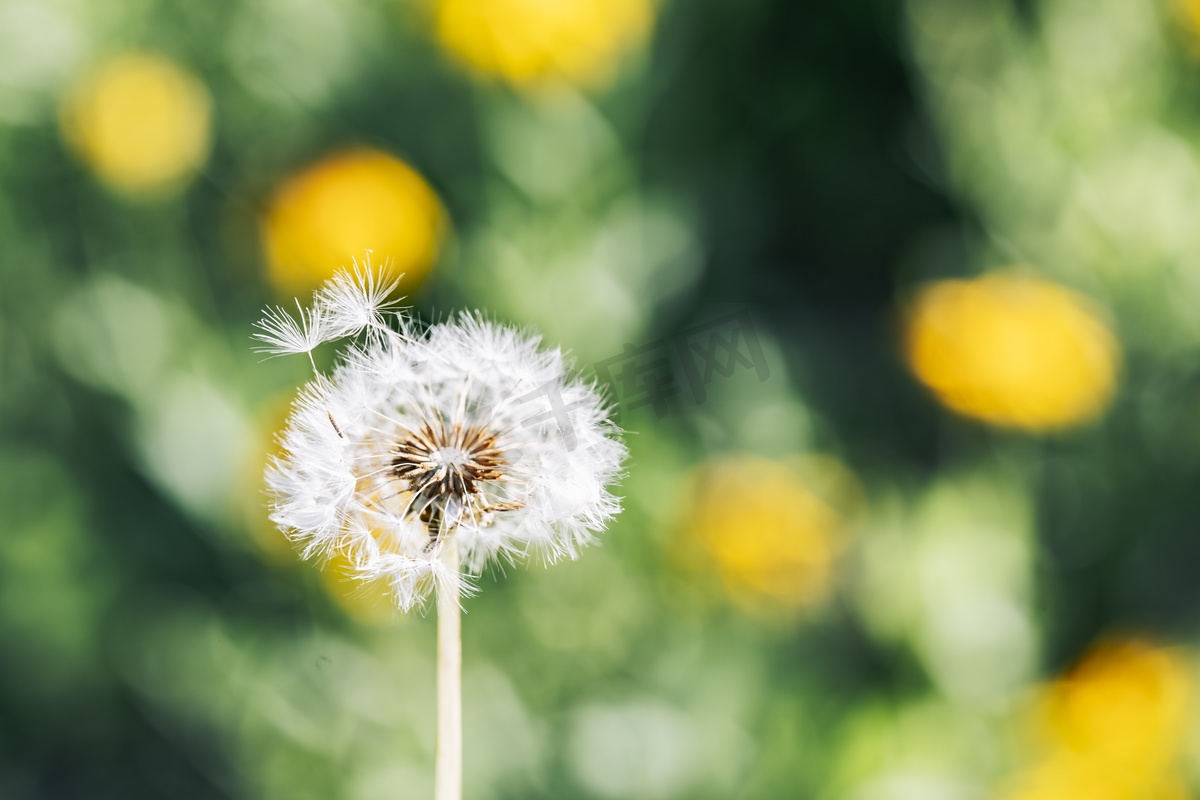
{"points": [[559, 411], [719, 346], [643, 376], [648, 374]]}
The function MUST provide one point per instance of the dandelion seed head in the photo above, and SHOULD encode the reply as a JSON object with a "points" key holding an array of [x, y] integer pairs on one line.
{"points": [[347, 304], [466, 430]]}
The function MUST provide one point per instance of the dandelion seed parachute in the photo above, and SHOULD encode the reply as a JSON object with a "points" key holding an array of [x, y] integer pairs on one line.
{"points": [[465, 429]]}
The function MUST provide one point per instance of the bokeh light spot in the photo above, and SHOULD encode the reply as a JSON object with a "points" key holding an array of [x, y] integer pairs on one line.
{"points": [[1114, 726], [139, 121], [1127, 702], [770, 538], [338, 209], [525, 41], [1013, 351], [1066, 778]]}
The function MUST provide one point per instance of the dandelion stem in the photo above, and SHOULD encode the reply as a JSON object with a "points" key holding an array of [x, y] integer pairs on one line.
{"points": [[448, 770]]}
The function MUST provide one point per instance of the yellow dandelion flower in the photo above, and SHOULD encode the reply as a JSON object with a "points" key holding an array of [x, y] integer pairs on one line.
{"points": [[344, 205], [139, 121], [1125, 704], [525, 41], [1188, 12], [1112, 728], [761, 528], [250, 505], [1013, 351], [1064, 777], [369, 603]]}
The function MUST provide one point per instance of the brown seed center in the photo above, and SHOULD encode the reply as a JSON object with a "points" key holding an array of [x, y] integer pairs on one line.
{"points": [[443, 464]]}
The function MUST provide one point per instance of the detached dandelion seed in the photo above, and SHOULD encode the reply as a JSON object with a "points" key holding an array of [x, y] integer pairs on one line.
{"points": [[429, 453]]}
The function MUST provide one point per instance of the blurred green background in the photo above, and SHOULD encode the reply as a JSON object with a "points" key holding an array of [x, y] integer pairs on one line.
{"points": [[946, 549]]}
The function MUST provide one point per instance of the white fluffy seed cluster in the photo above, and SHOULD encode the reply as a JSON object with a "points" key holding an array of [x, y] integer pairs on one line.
{"points": [[465, 430]]}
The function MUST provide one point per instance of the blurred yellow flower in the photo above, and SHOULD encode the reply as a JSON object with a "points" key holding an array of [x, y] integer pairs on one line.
{"points": [[764, 532], [366, 603], [525, 41], [251, 509], [343, 206], [1013, 351], [1189, 10], [1126, 704], [1114, 727], [139, 121], [1067, 778]]}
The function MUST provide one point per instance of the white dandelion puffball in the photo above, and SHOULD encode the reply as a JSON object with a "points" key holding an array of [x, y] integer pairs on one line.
{"points": [[465, 431]]}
